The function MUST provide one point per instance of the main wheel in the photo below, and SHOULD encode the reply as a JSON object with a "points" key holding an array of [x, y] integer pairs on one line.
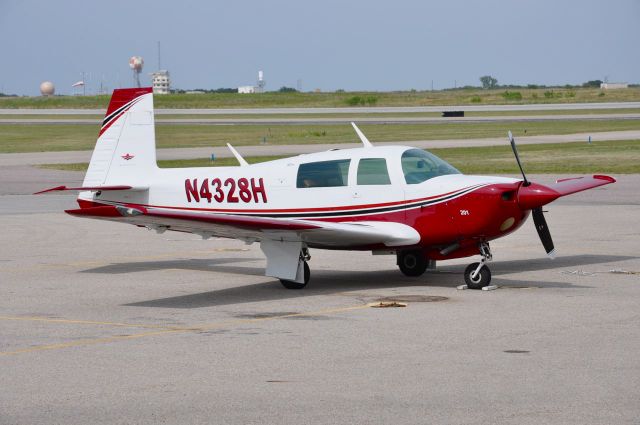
{"points": [[289, 284], [482, 279], [412, 263]]}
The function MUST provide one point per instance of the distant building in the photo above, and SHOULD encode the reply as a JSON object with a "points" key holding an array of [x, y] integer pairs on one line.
{"points": [[161, 82], [258, 88], [247, 89], [610, 86]]}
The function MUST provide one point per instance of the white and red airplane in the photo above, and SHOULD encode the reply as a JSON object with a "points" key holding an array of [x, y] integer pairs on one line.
{"points": [[385, 199]]}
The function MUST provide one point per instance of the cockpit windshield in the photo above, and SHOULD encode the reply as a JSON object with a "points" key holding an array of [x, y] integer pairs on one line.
{"points": [[419, 166]]}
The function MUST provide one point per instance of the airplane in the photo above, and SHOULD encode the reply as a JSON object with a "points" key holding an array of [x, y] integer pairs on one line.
{"points": [[392, 199]]}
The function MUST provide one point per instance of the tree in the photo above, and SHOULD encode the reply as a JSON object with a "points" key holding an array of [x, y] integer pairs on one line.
{"points": [[488, 82], [285, 89], [593, 83]]}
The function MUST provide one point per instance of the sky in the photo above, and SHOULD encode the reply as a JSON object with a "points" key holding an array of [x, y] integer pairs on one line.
{"points": [[326, 45]]}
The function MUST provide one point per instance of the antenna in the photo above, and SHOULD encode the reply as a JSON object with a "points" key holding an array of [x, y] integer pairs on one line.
{"points": [[363, 138], [159, 63], [239, 157]]}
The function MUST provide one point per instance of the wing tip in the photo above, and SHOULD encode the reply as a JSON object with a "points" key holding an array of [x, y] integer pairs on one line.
{"points": [[603, 177]]}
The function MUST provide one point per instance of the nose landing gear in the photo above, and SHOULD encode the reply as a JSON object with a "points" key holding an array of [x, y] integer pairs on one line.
{"points": [[478, 275]]}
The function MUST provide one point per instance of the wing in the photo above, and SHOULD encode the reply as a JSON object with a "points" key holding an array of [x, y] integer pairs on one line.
{"points": [[312, 232], [578, 184]]}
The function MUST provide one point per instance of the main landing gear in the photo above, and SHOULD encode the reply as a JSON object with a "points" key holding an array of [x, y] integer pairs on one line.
{"points": [[478, 275], [412, 263], [304, 257]]}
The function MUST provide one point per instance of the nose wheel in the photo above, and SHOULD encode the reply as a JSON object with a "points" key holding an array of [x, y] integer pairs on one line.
{"points": [[478, 275]]}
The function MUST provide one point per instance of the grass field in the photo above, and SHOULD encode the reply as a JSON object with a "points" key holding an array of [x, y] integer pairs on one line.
{"points": [[47, 138], [342, 99], [615, 157]]}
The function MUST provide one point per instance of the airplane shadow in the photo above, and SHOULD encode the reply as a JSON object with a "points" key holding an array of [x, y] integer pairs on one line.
{"points": [[193, 264], [327, 282]]}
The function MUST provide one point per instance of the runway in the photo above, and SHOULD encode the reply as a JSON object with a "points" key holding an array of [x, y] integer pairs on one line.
{"points": [[107, 323], [334, 120], [346, 110]]}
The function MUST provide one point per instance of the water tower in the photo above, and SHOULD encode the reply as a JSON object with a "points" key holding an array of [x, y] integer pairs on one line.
{"points": [[136, 63], [47, 88]]}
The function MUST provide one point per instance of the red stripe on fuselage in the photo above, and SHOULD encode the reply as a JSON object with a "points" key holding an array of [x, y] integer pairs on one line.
{"points": [[315, 210]]}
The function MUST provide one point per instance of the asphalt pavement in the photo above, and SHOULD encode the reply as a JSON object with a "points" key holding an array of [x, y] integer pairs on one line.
{"points": [[106, 323]]}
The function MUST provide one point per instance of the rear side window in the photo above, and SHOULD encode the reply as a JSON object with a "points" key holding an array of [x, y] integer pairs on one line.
{"points": [[323, 174], [373, 171]]}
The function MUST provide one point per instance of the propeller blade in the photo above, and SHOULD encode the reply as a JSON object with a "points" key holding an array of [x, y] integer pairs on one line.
{"points": [[543, 231], [515, 152]]}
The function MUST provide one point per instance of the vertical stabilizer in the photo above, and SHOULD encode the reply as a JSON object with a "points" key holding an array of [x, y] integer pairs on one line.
{"points": [[125, 152]]}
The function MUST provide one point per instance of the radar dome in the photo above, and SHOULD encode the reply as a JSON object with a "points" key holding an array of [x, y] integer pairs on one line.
{"points": [[47, 88]]}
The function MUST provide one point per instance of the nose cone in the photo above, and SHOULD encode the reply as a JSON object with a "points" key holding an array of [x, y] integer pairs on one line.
{"points": [[535, 195]]}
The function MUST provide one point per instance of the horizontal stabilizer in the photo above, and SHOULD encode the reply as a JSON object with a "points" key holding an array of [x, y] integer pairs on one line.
{"points": [[93, 188], [96, 212]]}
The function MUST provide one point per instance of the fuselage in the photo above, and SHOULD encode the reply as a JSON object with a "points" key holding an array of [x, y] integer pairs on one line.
{"points": [[387, 183]]}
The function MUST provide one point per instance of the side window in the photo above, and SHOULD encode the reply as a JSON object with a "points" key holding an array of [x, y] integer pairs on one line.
{"points": [[373, 171], [323, 174]]}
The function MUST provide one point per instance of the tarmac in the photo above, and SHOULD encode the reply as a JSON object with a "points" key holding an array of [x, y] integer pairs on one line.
{"points": [[106, 323]]}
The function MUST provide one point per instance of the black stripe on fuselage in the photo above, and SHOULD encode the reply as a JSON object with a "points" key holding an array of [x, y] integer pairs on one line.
{"points": [[361, 212]]}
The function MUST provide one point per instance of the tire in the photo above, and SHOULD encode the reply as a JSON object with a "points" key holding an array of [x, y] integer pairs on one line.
{"points": [[482, 279], [289, 284], [412, 263]]}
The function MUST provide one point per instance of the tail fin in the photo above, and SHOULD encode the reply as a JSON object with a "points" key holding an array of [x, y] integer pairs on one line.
{"points": [[125, 152]]}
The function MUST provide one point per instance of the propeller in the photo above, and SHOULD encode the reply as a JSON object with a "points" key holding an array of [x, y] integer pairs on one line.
{"points": [[515, 152], [536, 194], [543, 231]]}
